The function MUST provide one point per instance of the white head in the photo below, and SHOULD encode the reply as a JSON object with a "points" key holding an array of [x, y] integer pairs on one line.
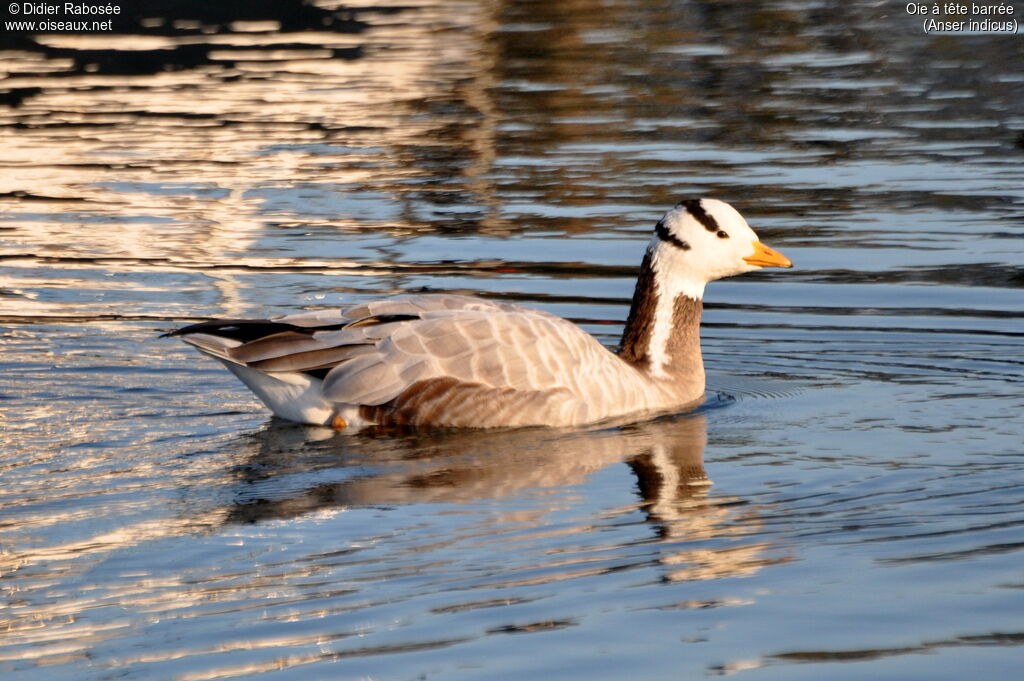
{"points": [[701, 240]]}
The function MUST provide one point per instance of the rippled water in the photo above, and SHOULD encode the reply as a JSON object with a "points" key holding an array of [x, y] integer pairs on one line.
{"points": [[863, 433]]}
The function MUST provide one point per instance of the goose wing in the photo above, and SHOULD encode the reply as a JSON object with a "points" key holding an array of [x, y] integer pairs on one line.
{"points": [[462, 359], [515, 348], [317, 340]]}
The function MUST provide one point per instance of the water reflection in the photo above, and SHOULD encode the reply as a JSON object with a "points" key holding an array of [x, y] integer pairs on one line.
{"points": [[346, 128], [442, 466], [450, 467], [291, 476], [311, 132]]}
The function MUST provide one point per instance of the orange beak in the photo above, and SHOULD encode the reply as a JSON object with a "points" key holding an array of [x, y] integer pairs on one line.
{"points": [[767, 257]]}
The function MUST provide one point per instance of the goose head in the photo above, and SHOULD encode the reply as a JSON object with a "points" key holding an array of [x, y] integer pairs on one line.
{"points": [[700, 240]]}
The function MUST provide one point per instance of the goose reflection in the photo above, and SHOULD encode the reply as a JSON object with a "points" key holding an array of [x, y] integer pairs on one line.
{"points": [[386, 468]]}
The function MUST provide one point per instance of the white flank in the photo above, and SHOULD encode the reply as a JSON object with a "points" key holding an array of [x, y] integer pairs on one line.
{"points": [[291, 396]]}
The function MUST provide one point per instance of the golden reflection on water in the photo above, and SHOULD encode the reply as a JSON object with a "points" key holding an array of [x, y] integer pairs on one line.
{"points": [[460, 469], [174, 168]]}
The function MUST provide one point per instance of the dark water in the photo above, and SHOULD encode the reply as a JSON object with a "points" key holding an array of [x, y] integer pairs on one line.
{"points": [[864, 430]]}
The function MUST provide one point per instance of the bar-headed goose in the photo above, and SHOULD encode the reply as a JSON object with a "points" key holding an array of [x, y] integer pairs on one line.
{"points": [[449, 360]]}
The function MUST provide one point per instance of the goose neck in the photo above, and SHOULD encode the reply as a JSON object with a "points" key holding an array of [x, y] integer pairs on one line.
{"points": [[662, 334]]}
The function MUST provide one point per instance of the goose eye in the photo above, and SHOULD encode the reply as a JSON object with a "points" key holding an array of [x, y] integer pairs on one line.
{"points": [[722, 235]]}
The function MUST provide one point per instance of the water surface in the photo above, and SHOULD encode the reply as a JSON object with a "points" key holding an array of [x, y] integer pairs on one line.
{"points": [[863, 430]]}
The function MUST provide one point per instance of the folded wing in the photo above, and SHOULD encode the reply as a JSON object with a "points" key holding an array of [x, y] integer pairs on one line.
{"points": [[448, 351]]}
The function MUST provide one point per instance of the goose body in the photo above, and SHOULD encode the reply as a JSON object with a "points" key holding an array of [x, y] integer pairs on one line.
{"points": [[461, 361]]}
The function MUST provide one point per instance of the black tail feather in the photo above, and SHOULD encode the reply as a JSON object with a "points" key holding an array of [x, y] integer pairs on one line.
{"points": [[242, 330]]}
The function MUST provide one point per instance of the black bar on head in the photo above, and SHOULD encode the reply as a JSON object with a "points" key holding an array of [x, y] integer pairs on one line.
{"points": [[694, 208], [662, 231]]}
